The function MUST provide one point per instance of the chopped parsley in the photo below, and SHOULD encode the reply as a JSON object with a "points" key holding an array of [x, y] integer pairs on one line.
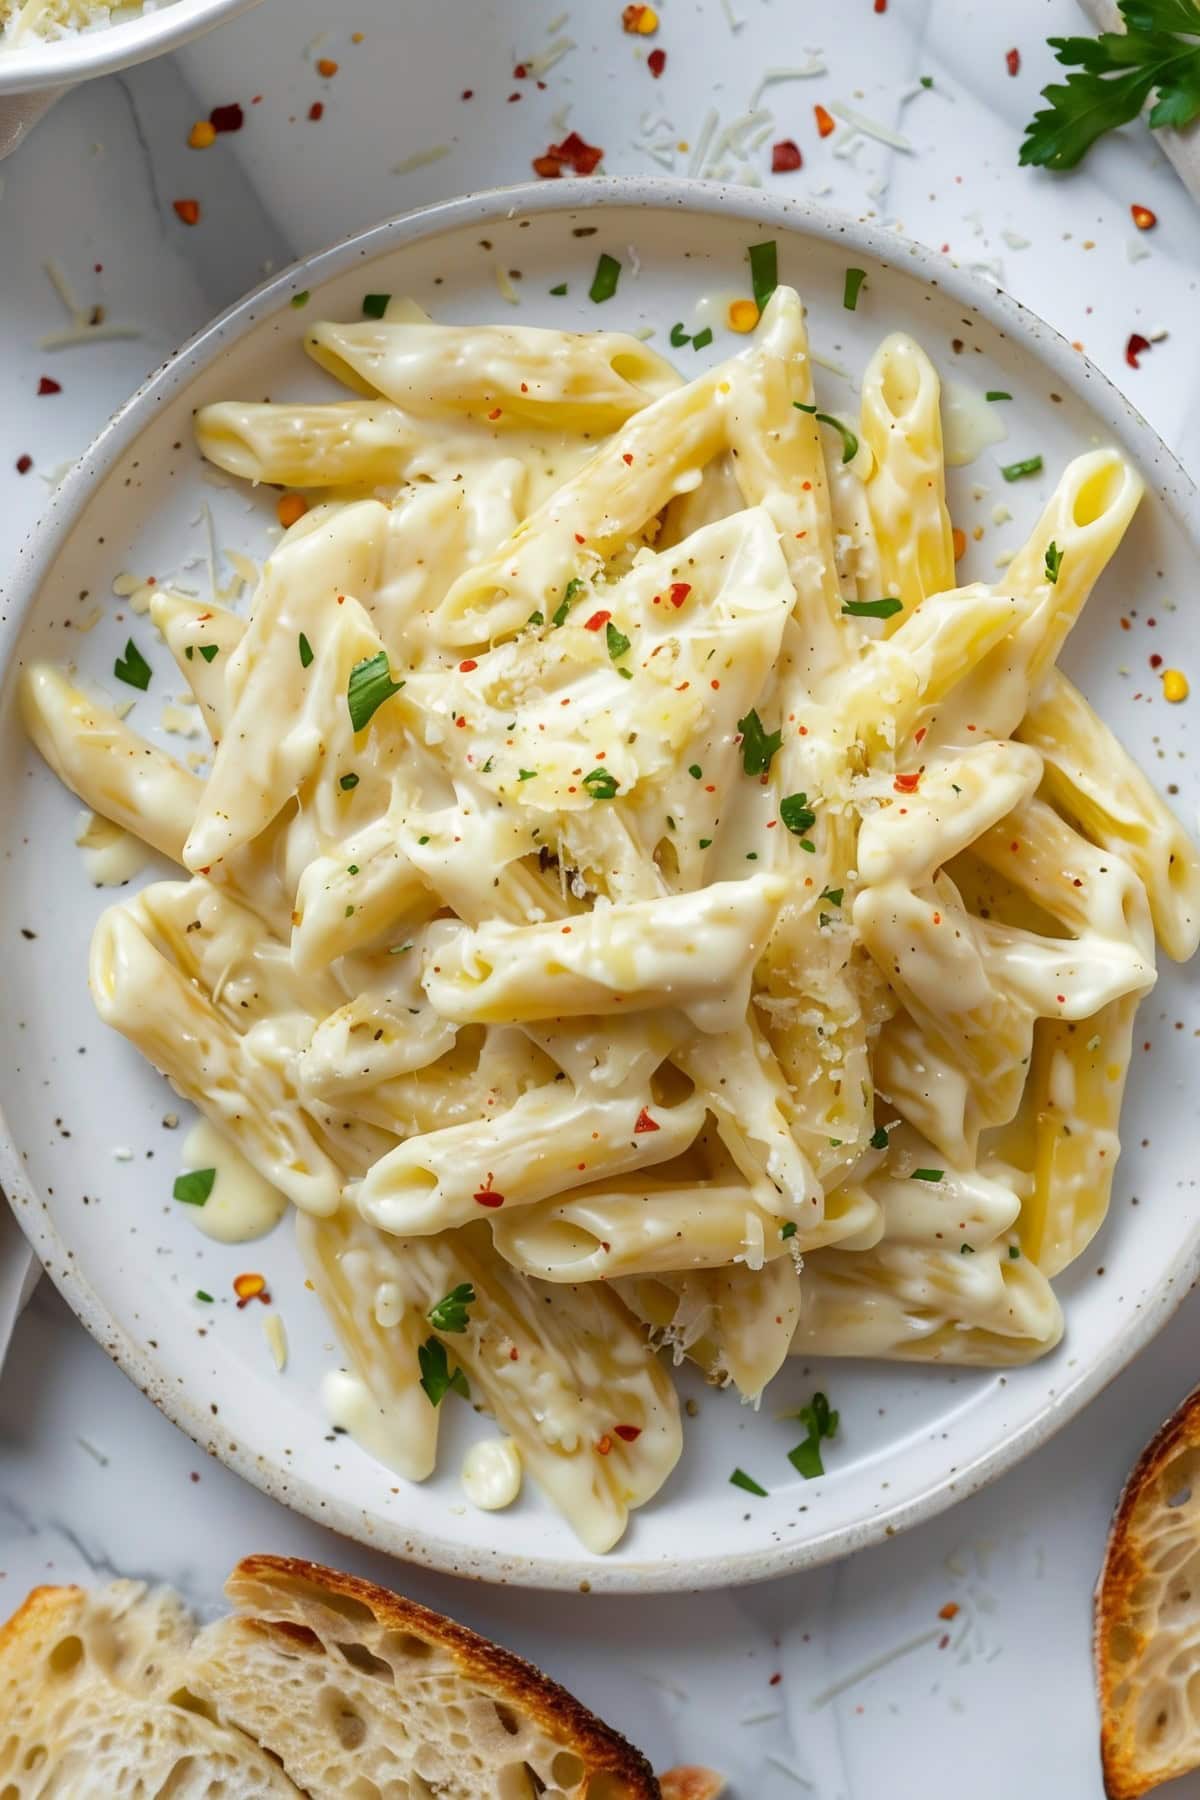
{"points": [[873, 609], [208, 651], [601, 785], [997, 394], [788, 1230], [833, 895], [450, 1313], [1054, 560], [849, 441], [966, 1249], [133, 667], [370, 685], [1014, 1250], [616, 640], [194, 1187], [375, 305], [764, 272], [559, 290], [487, 767], [853, 287], [797, 814], [695, 771], [436, 1378], [570, 592], [526, 774], [306, 651], [300, 299], [604, 281], [879, 1139], [703, 339], [201, 1295], [399, 949], [822, 1423], [758, 746], [1031, 465], [536, 618], [705, 843], [926, 81], [346, 782], [928, 1174], [739, 1478], [680, 337]]}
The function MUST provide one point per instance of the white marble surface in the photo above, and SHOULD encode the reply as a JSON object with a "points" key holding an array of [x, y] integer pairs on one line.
{"points": [[91, 1479]]}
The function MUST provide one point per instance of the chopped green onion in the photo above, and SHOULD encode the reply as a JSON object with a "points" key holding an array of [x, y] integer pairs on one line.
{"points": [[568, 600], [604, 281], [601, 785], [1054, 559], [849, 441], [375, 305], [928, 1174], [194, 1187], [873, 609], [370, 685], [436, 1378], [1032, 465], [616, 640], [853, 287], [347, 782], [758, 746], [997, 394], [560, 289], [740, 1479], [797, 814], [450, 1313], [703, 339], [133, 667], [306, 651], [201, 1295], [822, 1422], [680, 337], [764, 272]]}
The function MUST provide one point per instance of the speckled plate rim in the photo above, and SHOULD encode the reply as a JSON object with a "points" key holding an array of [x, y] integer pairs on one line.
{"points": [[1165, 477], [62, 62]]}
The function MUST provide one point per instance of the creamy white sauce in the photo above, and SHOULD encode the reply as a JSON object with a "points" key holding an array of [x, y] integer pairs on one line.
{"points": [[491, 1473], [111, 856], [349, 1404], [242, 1205], [969, 423]]}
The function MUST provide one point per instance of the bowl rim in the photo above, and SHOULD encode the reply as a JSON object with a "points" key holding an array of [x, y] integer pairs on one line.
{"points": [[35, 557], [61, 62]]}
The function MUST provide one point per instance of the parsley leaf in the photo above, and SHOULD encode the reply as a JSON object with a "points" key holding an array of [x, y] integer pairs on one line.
{"points": [[1054, 561], [740, 1479], [1113, 76], [758, 746], [436, 1378], [849, 441], [370, 685], [601, 785], [133, 667], [886, 608], [822, 1422], [617, 642], [568, 600], [450, 1313], [208, 651], [306, 651], [194, 1187], [797, 814]]}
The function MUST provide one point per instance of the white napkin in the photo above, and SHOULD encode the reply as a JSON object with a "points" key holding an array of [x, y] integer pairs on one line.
{"points": [[19, 1271], [1183, 147]]}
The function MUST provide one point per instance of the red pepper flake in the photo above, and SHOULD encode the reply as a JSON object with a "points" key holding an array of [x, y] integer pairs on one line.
{"points": [[579, 539], [467, 94], [785, 157], [187, 210], [251, 1287], [520, 73], [678, 592], [825, 122], [495, 412], [597, 621], [646, 1123], [1156, 661], [487, 1196], [1143, 218], [1136, 347], [574, 153], [775, 1679], [1012, 61], [603, 1445], [627, 459], [464, 668], [326, 67], [227, 118], [656, 62], [317, 110], [628, 1434], [48, 385], [24, 464], [880, 6], [907, 784]]}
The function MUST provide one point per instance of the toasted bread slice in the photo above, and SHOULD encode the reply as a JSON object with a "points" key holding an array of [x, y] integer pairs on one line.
{"points": [[86, 1708], [1147, 1623], [360, 1693]]}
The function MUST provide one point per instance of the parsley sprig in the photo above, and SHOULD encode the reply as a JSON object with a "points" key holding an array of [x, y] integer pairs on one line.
{"points": [[758, 745], [1113, 76], [822, 1422], [450, 1313], [436, 1376]]}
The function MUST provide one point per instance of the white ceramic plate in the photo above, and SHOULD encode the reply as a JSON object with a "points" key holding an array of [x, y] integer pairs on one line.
{"points": [[39, 63], [127, 1258]]}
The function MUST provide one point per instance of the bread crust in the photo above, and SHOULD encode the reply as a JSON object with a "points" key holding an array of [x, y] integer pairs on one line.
{"points": [[1125, 1774], [509, 1677], [40, 1606]]}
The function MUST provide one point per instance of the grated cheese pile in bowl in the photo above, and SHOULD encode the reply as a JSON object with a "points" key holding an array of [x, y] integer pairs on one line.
{"points": [[21, 21]]}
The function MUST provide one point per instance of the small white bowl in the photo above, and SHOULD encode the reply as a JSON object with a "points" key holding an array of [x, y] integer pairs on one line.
{"points": [[36, 73]]}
